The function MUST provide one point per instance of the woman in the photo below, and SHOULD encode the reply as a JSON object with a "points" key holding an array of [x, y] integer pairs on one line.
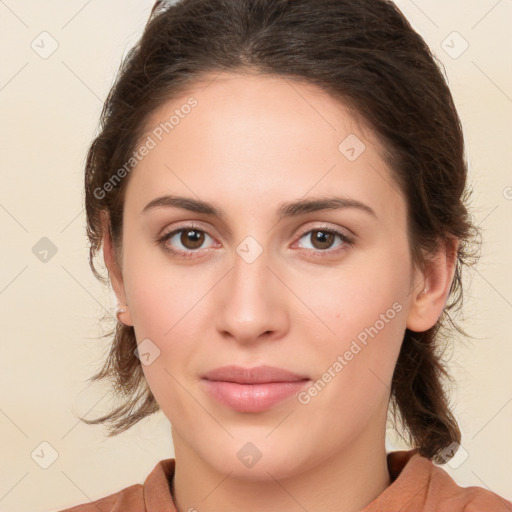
{"points": [[280, 192]]}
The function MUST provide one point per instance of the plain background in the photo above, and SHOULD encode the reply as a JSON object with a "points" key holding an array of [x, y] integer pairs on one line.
{"points": [[50, 105]]}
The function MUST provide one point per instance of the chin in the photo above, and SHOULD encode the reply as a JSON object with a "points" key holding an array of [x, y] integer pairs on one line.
{"points": [[251, 458]]}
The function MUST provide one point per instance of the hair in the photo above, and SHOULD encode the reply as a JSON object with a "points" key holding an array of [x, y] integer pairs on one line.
{"points": [[363, 53]]}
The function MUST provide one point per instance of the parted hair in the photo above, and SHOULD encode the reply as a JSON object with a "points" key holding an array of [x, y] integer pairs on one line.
{"points": [[366, 55]]}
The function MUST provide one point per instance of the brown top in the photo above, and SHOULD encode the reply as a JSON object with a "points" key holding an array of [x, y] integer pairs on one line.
{"points": [[417, 486]]}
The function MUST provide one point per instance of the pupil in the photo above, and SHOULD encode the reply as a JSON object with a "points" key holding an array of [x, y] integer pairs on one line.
{"points": [[321, 237], [192, 239]]}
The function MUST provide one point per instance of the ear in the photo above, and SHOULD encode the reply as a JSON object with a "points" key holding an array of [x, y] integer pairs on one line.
{"points": [[113, 267], [431, 287]]}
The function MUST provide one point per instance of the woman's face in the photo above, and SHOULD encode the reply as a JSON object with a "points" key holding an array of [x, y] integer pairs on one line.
{"points": [[324, 293]]}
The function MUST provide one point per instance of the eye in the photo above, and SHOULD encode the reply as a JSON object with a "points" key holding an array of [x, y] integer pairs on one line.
{"points": [[322, 239], [187, 239]]}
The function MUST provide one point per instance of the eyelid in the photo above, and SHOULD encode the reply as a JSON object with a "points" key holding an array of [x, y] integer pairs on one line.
{"points": [[319, 226], [347, 241], [182, 225], [166, 234]]}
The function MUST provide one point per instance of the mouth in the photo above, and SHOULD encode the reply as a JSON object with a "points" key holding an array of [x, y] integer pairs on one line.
{"points": [[252, 389]]}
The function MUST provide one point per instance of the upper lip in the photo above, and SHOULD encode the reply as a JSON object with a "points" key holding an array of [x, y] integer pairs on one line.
{"points": [[257, 375]]}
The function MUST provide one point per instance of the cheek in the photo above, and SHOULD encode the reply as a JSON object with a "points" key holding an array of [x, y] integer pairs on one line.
{"points": [[357, 297], [365, 311], [157, 294], [165, 307]]}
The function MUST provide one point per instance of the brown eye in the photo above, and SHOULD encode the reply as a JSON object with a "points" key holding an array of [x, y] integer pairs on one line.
{"points": [[185, 241], [324, 240], [192, 238]]}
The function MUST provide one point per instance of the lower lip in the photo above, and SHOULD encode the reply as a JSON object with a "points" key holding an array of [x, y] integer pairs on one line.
{"points": [[252, 397]]}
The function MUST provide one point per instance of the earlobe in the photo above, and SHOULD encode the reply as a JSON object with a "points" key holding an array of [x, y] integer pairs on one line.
{"points": [[434, 283], [114, 272]]}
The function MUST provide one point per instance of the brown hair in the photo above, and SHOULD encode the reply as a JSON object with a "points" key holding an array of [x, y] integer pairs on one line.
{"points": [[362, 52]]}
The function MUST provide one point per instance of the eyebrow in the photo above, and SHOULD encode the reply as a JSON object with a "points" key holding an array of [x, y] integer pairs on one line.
{"points": [[288, 209]]}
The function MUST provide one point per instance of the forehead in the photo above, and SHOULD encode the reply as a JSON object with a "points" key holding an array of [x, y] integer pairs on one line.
{"points": [[251, 136], [250, 97]]}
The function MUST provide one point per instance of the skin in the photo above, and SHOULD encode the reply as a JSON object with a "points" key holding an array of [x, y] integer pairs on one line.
{"points": [[251, 143]]}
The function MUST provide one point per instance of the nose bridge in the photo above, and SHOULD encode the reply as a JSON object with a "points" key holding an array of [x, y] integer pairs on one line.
{"points": [[251, 305], [250, 274]]}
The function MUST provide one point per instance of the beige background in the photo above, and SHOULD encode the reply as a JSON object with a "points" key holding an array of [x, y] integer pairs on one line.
{"points": [[49, 112]]}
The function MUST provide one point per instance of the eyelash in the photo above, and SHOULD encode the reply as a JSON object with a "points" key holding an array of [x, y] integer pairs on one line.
{"points": [[347, 241]]}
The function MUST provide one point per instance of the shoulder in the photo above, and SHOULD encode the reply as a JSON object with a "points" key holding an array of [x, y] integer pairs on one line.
{"points": [[419, 484], [126, 499], [452, 497], [474, 499], [152, 495]]}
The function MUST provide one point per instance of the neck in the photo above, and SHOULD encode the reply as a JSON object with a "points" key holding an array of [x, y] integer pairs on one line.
{"points": [[347, 481]]}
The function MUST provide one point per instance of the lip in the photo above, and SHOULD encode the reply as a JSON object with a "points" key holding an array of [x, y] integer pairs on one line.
{"points": [[256, 375], [252, 389]]}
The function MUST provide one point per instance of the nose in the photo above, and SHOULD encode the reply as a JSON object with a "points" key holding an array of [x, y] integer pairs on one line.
{"points": [[252, 303]]}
